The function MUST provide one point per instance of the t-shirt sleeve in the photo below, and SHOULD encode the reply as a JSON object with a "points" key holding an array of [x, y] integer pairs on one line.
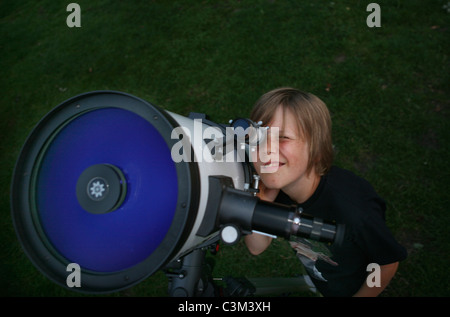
{"points": [[375, 238]]}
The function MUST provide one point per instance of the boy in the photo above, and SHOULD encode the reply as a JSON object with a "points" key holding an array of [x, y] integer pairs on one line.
{"points": [[301, 173]]}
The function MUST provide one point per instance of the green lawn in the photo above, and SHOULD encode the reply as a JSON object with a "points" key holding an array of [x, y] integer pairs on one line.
{"points": [[387, 89]]}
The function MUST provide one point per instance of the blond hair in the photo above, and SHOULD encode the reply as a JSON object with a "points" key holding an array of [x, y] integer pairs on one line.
{"points": [[313, 119]]}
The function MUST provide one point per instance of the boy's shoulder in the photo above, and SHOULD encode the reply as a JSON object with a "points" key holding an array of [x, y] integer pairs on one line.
{"points": [[353, 192], [345, 180]]}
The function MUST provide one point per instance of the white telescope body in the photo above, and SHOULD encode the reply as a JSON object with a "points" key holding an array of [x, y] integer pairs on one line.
{"points": [[209, 165]]}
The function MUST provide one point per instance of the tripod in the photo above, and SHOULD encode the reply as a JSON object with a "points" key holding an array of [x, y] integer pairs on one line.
{"points": [[191, 276]]}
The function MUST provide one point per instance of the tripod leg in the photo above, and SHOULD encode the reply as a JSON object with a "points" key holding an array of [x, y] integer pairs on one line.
{"points": [[188, 280]]}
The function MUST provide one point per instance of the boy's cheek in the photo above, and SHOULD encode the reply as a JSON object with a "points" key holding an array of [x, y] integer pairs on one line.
{"points": [[257, 166]]}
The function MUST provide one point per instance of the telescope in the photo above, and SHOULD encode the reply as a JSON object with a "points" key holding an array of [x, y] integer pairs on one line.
{"points": [[123, 188]]}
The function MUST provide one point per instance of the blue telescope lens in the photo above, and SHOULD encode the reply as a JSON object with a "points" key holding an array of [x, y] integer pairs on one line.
{"points": [[118, 239], [95, 185]]}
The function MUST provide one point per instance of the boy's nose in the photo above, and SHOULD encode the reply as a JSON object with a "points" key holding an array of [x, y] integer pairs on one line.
{"points": [[270, 148], [272, 143]]}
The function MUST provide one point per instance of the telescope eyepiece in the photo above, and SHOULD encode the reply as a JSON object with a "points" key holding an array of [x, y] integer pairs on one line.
{"points": [[304, 225]]}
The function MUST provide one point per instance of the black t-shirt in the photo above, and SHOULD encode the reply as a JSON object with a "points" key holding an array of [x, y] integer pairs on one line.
{"points": [[348, 199]]}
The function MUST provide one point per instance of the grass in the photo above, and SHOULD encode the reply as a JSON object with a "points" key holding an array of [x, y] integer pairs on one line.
{"points": [[387, 89]]}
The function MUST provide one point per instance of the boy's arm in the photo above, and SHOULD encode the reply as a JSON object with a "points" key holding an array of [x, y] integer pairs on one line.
{"points": [[257, 243]]}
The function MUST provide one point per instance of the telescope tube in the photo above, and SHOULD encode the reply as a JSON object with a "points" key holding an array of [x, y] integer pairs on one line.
{"points": [[241, 208], [285, 221]]}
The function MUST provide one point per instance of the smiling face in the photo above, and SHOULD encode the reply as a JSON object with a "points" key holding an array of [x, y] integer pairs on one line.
{"points": [[304, 149], [286, 164]]}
